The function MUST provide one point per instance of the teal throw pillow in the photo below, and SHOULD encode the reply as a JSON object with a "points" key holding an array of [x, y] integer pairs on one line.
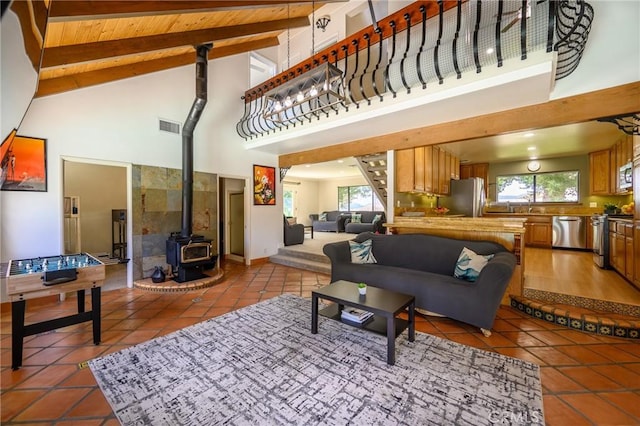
{"points": [[361, 252], [470, 264], [323, 217], [356, 218]]}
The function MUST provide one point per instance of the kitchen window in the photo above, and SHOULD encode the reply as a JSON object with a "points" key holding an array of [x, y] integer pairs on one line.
{"points": [[358, 198], [552, 187]]}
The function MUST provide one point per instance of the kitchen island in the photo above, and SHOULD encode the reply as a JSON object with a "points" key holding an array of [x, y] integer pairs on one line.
{"points": [[507, 231]]}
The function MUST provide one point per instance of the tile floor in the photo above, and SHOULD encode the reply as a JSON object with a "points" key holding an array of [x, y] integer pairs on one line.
{"points": [[587, 379]]}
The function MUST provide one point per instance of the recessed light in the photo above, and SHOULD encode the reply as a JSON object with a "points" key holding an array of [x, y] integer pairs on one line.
{"points": [[529, 135], [533, 157], [531, 148], [307, 165], [340, 161]]}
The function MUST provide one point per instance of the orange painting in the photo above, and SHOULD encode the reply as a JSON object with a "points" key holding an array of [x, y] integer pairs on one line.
{"points": [[23, 163], [264, 185]]}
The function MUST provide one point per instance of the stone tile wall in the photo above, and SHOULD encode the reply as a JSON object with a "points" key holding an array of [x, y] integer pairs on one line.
{"points": [[157, 211]]}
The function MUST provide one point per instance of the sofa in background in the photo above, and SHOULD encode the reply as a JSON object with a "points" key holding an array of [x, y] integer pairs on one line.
{"points": [[293, 233], [423, 265], [367, 223], [330, 221]]}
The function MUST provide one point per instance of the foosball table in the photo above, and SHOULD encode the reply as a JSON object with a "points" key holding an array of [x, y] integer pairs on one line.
{"points": [[47, 276]]}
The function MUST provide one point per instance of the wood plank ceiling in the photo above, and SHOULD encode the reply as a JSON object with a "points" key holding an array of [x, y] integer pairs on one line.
{"points": [[80, 43]]}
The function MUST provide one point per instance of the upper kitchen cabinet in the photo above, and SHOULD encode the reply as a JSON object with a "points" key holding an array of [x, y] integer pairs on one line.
{"points": [[480, 170], [425, 169], [600, 172]]}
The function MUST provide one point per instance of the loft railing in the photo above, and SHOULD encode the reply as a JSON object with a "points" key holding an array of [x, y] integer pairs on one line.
{"points": [[422, 44]]}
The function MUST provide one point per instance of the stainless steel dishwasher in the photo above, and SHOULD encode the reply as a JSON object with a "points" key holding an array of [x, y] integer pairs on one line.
{"points": [[569, 232]]}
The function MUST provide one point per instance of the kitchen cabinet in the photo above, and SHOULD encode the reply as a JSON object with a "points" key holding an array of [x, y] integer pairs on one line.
{"points": [[621, 248], [480, 170], [636, 254], [621, 154], [600, 172], [538, 231], [425, 169], [628, 251]]}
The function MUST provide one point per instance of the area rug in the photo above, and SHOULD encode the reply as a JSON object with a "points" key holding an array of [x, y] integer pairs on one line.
{"points": [[260, 365]]}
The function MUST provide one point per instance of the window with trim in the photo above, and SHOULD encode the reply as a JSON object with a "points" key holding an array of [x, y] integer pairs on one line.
{"points": [[358, 198], [551, 187]]}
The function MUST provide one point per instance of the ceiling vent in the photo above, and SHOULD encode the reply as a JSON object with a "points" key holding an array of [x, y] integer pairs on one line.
{"points": [[169, 126]]}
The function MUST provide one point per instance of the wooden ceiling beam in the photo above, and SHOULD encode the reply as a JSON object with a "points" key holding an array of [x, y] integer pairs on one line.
{"points": [[61, 10], [32, 45], [64, 84], [72, 54]]}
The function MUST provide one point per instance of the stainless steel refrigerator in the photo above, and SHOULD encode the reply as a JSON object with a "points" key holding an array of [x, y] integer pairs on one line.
{"points": [[467, 197]]}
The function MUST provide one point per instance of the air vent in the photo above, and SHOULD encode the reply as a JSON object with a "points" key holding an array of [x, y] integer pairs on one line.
{"points": [[169, 126]]}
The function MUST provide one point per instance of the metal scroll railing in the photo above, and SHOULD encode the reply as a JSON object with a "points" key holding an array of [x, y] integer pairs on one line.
{"points": [[420, 45]]}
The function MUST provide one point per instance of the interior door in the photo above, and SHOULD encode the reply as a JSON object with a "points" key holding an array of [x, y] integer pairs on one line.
{"points": [[236, 224]]}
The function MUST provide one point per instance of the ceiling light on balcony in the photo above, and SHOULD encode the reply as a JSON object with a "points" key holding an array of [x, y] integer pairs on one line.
{"points": [[490, 51], [300, 97]]}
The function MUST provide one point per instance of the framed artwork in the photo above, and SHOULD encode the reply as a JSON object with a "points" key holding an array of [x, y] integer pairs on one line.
{"points": [[23, 163], [264, 185]]}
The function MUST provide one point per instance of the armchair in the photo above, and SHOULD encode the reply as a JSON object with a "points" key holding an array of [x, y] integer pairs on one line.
{"points": [[293, 234]]}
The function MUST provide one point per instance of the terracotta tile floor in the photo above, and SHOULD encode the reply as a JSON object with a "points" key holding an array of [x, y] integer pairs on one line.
{"points": [[587, 379]]}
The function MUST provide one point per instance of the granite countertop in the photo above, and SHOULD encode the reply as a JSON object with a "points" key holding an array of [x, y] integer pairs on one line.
{"points": [[482, 224]]}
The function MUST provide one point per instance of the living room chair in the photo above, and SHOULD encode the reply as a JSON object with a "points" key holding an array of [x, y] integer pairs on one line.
{"points": [[293, 234]]}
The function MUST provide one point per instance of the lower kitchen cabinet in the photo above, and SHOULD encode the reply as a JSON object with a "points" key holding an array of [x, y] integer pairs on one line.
{"points": [[538, 231], [622, 250]]}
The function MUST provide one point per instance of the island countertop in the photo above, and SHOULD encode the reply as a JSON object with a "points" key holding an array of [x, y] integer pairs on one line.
{"points": [[512, 225]]}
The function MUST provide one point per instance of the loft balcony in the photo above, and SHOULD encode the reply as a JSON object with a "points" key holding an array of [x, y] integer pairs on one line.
{"points": [[434, 61]]}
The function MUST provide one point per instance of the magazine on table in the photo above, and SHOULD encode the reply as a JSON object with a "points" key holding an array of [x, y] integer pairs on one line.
{"points": [[355, 315]]}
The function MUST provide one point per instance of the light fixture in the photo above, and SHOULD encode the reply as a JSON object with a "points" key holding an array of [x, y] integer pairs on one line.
{"points": [[322, 22], [317, 90]]}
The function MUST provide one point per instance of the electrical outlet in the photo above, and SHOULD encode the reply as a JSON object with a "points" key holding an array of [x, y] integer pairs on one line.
{"points": [[594, 204]]}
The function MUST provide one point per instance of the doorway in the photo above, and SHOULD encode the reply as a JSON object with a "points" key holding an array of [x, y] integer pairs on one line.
{"points": [[94, 193], [232, 219]]}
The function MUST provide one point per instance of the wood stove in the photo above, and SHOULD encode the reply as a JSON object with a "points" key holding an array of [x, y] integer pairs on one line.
{"points": [[189, 256]]}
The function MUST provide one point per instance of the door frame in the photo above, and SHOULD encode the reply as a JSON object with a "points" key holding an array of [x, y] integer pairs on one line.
{"points": [[247, 217]]}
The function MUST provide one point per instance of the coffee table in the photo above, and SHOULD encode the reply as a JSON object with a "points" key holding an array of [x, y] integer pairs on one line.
{"points": [[385, 305]]}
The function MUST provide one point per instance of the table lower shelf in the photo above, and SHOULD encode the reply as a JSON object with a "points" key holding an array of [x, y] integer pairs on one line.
{"points": [[378, 325]]}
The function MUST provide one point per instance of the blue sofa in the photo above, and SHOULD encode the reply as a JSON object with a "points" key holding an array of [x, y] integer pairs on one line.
{"points": [[334, 221], [423, 265]]}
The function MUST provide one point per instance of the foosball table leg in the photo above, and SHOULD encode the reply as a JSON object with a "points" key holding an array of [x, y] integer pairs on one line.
{"points": [[95, 313], [17, 332]]}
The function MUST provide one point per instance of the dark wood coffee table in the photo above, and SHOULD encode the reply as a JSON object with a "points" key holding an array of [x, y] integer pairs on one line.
{"points": [[385, 305]]}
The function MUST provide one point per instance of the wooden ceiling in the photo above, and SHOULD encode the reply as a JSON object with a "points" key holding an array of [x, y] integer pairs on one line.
{"points": [[80, 43]]}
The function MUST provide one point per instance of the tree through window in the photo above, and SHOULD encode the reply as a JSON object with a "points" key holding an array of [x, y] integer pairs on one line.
{"points": [[553, 187]]}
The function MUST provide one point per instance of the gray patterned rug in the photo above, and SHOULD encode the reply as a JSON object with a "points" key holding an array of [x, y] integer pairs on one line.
{"points": [[260, 365]]}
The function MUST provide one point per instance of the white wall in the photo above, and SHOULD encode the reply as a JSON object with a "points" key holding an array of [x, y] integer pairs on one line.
{"points": [[306, 199], [118, 122], [16, 73]]}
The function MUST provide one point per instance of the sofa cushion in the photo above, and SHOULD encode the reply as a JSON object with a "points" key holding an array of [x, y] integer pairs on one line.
{"points": [[376, 218], [356, 218], [470, 264], [323, 217], [361, 252]]}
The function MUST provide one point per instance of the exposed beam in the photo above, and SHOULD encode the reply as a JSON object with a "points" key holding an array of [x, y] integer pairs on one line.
{"points": [[117, 8], [590, 106], [56, 56], [31, 44], [64, 84], [40, 16]]}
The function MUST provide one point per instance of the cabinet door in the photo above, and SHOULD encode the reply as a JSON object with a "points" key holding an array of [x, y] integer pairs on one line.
{"points": [[435, 169], [636, 186], [465, 171], [405, 164], [636, 254], [443, 177], [540, 234], [455, 167], [628, 257], [599, 172], [418, 169], [428, 172]]}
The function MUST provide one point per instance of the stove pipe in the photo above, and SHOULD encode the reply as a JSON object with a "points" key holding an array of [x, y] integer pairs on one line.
{"points": [[187, 136]]}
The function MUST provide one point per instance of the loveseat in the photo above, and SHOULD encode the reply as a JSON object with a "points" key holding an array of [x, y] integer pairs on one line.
{"points": [[329, 221], [369, 222], [423, 266]]}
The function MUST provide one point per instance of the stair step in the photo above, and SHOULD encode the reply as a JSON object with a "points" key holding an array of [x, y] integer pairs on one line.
{"points": [[301, 263], [306, 255]]}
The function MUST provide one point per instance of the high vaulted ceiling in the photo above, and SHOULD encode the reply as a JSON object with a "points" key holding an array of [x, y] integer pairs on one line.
{"points": [[80, 43]]}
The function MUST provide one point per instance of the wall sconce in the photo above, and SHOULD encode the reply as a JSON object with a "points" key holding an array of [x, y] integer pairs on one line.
{"points": [[322, 22]]}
